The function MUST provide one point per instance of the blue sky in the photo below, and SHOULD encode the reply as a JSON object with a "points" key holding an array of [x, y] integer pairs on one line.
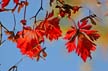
{"points": [[57, 60]]}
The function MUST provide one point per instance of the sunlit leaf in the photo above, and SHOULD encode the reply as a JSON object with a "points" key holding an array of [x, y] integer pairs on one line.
{"points": [[84, 46]]}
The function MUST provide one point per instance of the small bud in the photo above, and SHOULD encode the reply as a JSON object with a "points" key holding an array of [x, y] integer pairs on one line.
{"points": [[23, 22]]}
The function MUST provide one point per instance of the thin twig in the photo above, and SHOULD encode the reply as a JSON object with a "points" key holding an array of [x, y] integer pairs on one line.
{"points": [[15, 7], [1, 42], [14, 22], [0, 34], [2, 10], [4, 26], [41, 8], [14, 67], [19, 61], [25, 11], [90, 11]]}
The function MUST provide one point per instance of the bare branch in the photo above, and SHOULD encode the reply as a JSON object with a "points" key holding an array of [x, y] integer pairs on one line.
{"points": [[25, 11], [14, 68], [4, 26], [41, 8], [0, 33], [14, 22]]}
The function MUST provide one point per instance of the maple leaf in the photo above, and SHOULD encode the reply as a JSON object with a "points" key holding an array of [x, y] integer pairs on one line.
{"points": [[84, 46], [51, 27], [71, 46], [4, 3], [29, 41]]}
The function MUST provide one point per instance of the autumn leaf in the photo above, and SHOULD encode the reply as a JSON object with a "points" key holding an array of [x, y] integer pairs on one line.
{"points": [[51, 24], [71, 46], [84, 37], [4, 3], [84, 47], [29, 42]]}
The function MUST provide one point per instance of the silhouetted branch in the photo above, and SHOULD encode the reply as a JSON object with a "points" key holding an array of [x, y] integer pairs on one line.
{"points": [[3, 26], [41, 8], [25, 11], [0, 33], [2, 10], [1, 42], [14, 22], [14, 68]]}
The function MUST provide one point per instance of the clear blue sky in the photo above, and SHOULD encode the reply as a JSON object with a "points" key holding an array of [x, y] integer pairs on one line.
{"points": [[57, 60]]}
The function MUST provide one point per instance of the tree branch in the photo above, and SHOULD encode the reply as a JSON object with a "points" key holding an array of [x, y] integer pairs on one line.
{"points": [[4, 26], [41, 8], [14, 22], [14, 68], [25, 11], [0, 34]]}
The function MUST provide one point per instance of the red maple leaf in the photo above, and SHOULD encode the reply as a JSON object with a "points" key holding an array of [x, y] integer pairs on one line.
{"points": [[84, 47], [84, 37], [51, 27], [4, 3], [29, 41]]}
